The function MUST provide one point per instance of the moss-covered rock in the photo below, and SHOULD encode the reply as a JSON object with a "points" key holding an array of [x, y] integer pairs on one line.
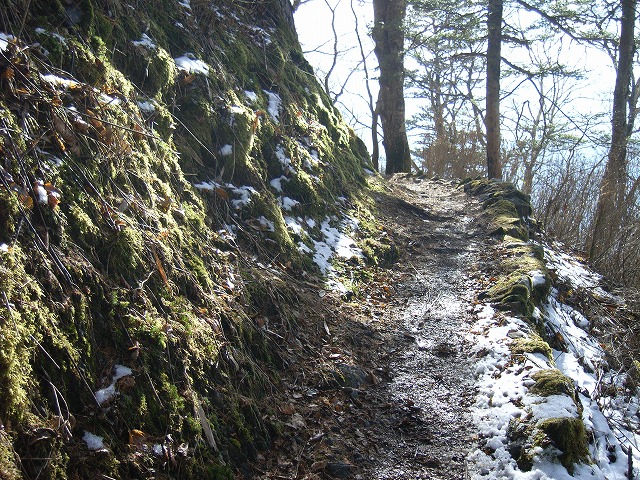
{"points": [[529, 439], [552, 382], [569, 436], [532, 344]]}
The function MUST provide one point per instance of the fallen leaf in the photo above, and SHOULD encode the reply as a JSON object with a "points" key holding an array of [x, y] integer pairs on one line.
{"points": [[161, 271], [137, 438], [287, 409], [222, 193]]}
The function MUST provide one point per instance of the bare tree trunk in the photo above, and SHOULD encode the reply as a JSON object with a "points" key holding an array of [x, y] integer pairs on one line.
{"points": [[375, 154], [492, 116], [613, 186], [388, 35]]}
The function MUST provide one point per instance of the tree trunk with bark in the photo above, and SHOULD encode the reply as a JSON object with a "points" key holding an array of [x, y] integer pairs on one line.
{"points": [[609, 209], [492, 116], [388, 35]]}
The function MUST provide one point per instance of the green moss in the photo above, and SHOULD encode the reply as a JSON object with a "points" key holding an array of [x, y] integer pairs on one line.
{"points": [[506, 221], [17, 332], [9, 213], [125, 254], [153, 70], [552, 382], [570, 437], [512, 292], [9, 469], [566, 434], [532, 344]]}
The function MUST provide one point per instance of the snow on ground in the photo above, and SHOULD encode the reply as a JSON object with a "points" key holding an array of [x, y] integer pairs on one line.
{"points": [[106, 394], [5, 38], [145, 42], [251, 96], [57, 36], [148, 106], [243, 194], [503, 388], [275, 103], [331, 238], [94, 442], [190, 64], [276, 183], [226, 150]]}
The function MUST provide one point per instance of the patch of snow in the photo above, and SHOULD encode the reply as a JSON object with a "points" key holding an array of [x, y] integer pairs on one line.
{"points": [[267, 224], [554, 406], [157, 450], [537, 278], [335, 285], [274, 105], [236, 109], [570, 270], [322, 256], [303, 248], [94, 442], [503, 387], [5, 38], [109, 100], [244, 193], [226, 150], [147, 106], [288, 203], [284, 160], [55, 35], [185, 3], [334, 242], [145, 42], [293, 225], [58, 81], [105, 394], [251, 96], [210, 185], [40, 192], [276, 183], [4, 248], [262, 37], [190, 64], [108, 393]]}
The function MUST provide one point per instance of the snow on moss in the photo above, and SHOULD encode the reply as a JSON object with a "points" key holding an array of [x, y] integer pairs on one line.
{"points": [[5, 38], [509, 406], [105, 395], [57, 36], [276, 183], [190, 64], [94, 442], [275, 103], [288, 203], [145, 41]]}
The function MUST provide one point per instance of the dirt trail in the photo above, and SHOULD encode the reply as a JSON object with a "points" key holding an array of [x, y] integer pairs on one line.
{"points": [[401, 409], [428, 360]]}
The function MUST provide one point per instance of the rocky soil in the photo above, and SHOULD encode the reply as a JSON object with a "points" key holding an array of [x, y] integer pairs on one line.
{"points": [[387, 392]]}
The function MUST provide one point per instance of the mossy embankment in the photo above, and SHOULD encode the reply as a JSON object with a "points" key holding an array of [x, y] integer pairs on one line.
{"points": [[129, 346], [520, 284]]}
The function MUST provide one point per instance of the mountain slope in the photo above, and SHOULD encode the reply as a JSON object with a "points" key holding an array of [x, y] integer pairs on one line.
{"points": [[159, 161]]}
